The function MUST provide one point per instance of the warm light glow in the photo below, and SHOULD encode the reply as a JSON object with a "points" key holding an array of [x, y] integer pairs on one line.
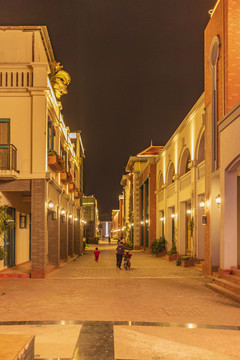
{"points": [[218, 200], [147, 221], [202, 204], [193, 139], [176, 155], [211, 12], [50, 204], [173, 215], [142, 222], [75, 218], [189, 211], [164, 168], [70, 216], [63, 212], [162, 219], [191, 326]]}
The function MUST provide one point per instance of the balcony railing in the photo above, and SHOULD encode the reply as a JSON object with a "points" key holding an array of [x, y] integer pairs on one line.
{"points": [[8, 157]]}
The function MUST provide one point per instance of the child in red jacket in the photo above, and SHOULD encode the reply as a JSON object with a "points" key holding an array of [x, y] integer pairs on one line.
{"points": [[96, 254]]}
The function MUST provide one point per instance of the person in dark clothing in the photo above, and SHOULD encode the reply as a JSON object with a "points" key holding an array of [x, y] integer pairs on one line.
{"points": [[119, 254]]}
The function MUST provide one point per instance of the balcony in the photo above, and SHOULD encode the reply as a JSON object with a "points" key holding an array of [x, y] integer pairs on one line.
{"points": [[8, 162]]}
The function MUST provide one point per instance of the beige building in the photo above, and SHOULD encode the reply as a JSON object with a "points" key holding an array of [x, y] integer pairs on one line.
{"points": [[180, 186], [40, 159]]}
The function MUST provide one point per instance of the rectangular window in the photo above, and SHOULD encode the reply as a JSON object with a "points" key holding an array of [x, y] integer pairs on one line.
{"points": [[4, 144], [64, 155], [50, 135], [4, 131]]}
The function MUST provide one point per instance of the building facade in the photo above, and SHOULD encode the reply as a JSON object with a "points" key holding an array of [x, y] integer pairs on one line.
{"points": [[180, 185], [91, 218], [41, 160], [222, 96]]}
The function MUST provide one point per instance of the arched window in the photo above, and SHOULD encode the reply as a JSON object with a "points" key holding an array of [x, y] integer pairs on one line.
{"points": [[171, 174], [201, 149], [213, 63], [185, 161]]}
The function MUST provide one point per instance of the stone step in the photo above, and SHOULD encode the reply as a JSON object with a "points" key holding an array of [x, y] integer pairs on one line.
{"points": [[228, 285], [236, 273], [233, 278], [221, 290], [197, 267]]}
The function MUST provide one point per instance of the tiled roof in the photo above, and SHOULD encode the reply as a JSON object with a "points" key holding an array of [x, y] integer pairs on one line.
{"points": [[151, 151]]}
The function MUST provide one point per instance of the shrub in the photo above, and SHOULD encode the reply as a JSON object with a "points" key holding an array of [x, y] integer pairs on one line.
{"points": [[128, 244], [158, 245], [3, 253], [180, 259]]}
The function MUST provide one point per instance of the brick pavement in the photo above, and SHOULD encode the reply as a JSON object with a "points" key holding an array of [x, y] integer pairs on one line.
{"points": [[153, 290]]}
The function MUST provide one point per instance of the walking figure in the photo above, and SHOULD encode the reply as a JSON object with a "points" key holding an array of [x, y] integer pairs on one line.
{"points": [[96, 254], [119, 254]]}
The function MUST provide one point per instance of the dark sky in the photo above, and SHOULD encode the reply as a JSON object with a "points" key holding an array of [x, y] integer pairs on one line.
{"points": [[136, 68]]}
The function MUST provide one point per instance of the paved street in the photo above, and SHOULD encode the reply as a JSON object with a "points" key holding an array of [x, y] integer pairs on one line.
{"points": [[140, 314]]}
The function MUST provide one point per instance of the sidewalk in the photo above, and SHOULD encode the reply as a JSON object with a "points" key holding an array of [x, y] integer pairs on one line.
{"points": [[135, 303]]}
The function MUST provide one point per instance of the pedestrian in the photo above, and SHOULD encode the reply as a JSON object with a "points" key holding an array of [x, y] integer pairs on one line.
{"points": [[96, 254], [119, 254]]}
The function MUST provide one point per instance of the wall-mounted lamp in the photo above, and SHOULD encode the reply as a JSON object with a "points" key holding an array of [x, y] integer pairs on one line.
{"points": [[76, 219], [70, 216], [162, 218], [63, 212], [173, 215], [218, 200], [202, 204], [50, 204], [189, 211], [142, 222], [147, 221]]}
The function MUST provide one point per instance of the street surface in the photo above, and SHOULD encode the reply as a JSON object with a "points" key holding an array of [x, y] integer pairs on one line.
{"points": [[88, 310]]}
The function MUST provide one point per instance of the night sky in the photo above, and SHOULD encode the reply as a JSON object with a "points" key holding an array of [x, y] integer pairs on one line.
{"points": [[136, 68]]}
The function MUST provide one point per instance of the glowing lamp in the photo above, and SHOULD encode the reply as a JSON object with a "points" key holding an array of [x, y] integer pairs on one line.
{"points": [[218, 200], [50, 204]]}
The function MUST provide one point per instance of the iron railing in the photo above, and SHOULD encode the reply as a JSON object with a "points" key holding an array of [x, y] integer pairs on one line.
{"points": [[8, 157]]}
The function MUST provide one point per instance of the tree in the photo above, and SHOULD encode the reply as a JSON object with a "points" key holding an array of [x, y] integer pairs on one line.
{"points": [[6, 222]]}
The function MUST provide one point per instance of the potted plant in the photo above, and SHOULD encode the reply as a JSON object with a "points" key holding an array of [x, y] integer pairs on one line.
{"points": [[71, 187], [66, 177], [185, 261], [77, 193], [55, 162], [158, 246], [172, 254]]}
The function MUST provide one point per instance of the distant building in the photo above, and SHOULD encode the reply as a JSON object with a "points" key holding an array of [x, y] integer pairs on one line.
{"points": [[105, 229], [116, 224], [139, 187], [91, 218]]}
